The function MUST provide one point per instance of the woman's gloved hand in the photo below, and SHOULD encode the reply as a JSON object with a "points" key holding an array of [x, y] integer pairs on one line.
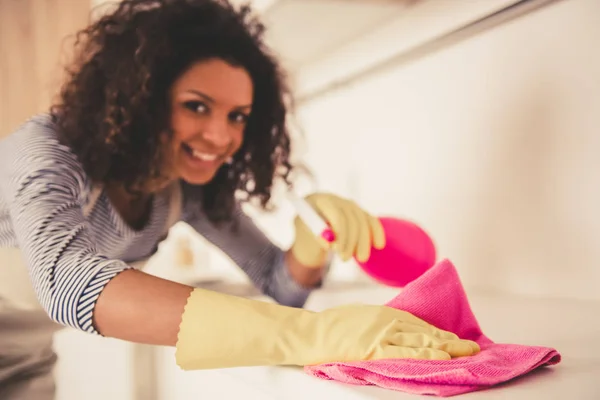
{"points": [[223, 331], [371, 332], [355, 230]]}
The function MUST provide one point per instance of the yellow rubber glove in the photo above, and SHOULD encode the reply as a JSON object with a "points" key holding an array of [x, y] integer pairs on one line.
{"points": [[224, 331], [356, 231]]}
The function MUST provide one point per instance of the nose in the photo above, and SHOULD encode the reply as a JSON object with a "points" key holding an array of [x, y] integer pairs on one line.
{"points": [[216, 132]]}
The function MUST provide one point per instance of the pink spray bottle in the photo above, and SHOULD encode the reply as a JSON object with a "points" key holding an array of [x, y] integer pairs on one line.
{"points": [[408, 253]]}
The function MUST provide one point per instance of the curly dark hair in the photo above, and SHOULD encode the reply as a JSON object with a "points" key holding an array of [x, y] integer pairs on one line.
{"points": [[113, 109]]}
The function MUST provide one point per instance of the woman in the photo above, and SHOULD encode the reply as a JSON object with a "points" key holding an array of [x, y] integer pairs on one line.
{"points": [[171, 108]]}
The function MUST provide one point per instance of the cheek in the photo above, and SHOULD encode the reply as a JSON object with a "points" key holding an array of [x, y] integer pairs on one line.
{"points": [[182, 126], [237, 140]]}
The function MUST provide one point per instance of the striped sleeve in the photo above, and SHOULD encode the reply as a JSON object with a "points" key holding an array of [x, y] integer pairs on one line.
{"points": [[261, 260], [45, 187]]}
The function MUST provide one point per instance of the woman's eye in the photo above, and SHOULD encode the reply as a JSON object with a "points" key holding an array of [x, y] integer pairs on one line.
{"points": [[196, 106], [239, 118]]}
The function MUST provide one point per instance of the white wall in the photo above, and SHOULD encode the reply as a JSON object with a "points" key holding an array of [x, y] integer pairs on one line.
{"points": [[492, 145], [412, 24]]}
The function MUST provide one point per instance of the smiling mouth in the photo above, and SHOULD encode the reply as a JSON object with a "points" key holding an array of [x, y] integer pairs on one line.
{"points": [[200, 155]]}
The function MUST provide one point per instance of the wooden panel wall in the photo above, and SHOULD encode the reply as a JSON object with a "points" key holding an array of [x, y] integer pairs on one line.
{"points": [[34, 45]]}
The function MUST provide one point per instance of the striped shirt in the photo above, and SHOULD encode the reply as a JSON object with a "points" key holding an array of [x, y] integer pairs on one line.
{"points": [[72, 256]]}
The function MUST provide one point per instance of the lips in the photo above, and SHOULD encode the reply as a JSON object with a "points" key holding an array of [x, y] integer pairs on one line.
{"points": [[201, 155]]}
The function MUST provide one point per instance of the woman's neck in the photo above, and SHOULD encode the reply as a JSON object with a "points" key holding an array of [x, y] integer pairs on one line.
{"points": [[133, 209]]}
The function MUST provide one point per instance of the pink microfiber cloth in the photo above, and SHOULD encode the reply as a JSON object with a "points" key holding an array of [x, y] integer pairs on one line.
{"points": [[439, 298]]}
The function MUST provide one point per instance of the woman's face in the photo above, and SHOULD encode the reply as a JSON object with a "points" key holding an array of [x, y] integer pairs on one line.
{"points": [[210, 105]]}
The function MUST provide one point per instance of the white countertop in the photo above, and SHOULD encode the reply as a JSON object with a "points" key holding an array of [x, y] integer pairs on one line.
{"points": [[572, 327]]}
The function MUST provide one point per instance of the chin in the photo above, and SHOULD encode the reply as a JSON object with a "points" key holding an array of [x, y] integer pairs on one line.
{"points": [[198, 178]]}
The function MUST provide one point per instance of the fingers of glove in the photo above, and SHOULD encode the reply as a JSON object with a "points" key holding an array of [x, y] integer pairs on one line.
{"points": [[348, 248], [362, 248], [456, 348], [414, 353], [461, 348], [442, 334], [408, 327], [403, 317], [411, 323], [377, 232], [474, 346], [337, 220]]}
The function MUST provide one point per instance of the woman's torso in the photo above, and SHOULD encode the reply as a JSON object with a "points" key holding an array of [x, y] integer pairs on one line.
{"points": [[112, 236]]}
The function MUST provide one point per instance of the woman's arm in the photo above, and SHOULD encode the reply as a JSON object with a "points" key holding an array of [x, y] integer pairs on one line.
{"points": [[305, 276], [141, 308], [274, 271]]}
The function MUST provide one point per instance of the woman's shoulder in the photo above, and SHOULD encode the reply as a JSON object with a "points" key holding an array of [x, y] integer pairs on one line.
{"points": [[36, 129], [33, 151], [37, 141]]}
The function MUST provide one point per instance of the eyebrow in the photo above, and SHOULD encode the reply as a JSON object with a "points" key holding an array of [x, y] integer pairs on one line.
{"points": [[210, 99]]}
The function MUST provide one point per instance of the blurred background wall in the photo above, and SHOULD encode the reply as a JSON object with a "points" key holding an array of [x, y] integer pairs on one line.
{"points": [[492, 144], [34, 43]]}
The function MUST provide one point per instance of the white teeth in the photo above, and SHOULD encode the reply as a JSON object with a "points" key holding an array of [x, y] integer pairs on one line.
{"points": [[204, 156]]}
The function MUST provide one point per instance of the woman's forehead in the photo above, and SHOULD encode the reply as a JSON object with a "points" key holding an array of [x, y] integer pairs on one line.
{"points": [[218, 80]]}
